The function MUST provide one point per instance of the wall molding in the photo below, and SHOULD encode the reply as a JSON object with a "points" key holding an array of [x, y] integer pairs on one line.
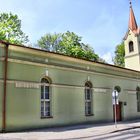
{"points": [[35, 85], [75, 69], [130, 91]]}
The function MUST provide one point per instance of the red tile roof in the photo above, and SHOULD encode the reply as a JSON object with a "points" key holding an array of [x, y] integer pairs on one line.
{"points": [[132, 20], [132, 25]]}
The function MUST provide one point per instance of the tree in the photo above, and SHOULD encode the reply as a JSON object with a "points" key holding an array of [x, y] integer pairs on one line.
{"points": [[50, 42], [119, 55], [10, 29], [67, 43]]}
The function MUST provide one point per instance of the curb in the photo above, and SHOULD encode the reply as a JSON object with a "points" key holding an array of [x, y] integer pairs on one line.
{"points": [[125, 129]]}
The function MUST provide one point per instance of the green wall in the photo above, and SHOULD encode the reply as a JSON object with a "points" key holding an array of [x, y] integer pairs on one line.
{"points": [[68, 104], [1, 92], [23, 105], [1, 84]]}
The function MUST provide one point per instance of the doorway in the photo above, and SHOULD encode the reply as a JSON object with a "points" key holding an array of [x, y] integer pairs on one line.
{"points": [[118, 111]]}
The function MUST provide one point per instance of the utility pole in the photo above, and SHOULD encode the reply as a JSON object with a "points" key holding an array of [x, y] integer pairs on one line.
{"points": [[115, 102]]}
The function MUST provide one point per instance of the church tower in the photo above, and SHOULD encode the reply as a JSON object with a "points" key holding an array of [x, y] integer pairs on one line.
{"points": [[132, 43]]}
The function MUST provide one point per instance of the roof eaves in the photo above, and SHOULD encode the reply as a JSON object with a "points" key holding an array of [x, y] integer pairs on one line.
{"points": [[100, 63]]}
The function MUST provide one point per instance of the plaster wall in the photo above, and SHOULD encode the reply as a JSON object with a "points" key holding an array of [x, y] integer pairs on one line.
{"points": [[68, 105], [67, 102], [132, 59]]}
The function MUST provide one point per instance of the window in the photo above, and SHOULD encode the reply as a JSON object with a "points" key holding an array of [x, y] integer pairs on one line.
{"points": [[45, 98], [131, 46], [138, 99], [88, 98]]}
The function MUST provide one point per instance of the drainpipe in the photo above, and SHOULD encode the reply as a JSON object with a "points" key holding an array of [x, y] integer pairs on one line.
{"points": [[5, 89]]}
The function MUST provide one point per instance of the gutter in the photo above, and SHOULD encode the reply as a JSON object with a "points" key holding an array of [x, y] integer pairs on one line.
{"points": [[5, 89]]}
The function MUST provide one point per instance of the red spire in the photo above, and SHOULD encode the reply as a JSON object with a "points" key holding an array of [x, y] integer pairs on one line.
{"points": [[132, 21]]}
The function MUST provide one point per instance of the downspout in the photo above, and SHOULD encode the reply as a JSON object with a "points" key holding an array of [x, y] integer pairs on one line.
{"points": [[5, 89]]}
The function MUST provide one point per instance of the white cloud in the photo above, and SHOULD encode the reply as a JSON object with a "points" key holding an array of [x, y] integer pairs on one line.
{"points": [[108, 57]]}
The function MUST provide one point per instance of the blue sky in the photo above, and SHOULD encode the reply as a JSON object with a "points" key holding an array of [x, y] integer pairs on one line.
{"points": [[101, 23]]}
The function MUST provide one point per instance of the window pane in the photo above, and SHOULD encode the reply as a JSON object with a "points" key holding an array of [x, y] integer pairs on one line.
{"points": [[88, 108], [88, 94], [42, 108], [85, 108], [85, 93], [42, 92], [131, 46], [47, 108], [42, 114], [47, 113], [44, 80], [46, 92]]}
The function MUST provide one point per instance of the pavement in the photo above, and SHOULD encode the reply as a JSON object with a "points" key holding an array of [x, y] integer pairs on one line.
{"points": [[123, 130]]}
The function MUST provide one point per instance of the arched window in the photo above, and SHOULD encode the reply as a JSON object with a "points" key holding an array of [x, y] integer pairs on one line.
{"points": [[117, 88], [88, 98], [45, 98], [131, 46]]}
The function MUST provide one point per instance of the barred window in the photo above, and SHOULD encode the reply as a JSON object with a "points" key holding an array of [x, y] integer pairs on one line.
{"points": [[45, 98], [88, 98]]}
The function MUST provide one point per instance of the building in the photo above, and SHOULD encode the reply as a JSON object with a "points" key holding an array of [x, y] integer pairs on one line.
{"points": [[132, 43], [45, 89]]}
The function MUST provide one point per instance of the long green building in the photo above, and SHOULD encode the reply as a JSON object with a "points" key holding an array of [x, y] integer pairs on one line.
{"points": [[44, 89]]}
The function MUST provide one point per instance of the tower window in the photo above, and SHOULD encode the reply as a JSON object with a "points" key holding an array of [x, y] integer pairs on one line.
{"points": [[131, 46]]}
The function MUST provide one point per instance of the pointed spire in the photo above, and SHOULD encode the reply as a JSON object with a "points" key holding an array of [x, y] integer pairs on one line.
{"points": [[132, 21], [130, 3]]}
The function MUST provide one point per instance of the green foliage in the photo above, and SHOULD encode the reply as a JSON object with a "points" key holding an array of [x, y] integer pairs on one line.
{"points": [[50, 42], [67, 43], [10, 29], [119, 55]]}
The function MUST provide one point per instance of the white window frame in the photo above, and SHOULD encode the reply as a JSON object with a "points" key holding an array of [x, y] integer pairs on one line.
{"points": [[46, 101], [87, 106]]}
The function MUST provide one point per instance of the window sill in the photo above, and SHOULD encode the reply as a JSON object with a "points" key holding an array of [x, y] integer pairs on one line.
{"points": [[88, 115], [47, 117]]}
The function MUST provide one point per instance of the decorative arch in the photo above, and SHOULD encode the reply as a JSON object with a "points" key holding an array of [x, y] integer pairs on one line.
{"points": [[46, 79], [88, 84]]}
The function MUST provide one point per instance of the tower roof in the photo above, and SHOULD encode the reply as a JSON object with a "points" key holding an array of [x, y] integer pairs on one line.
{"points": [[132, 23], [132, 20]]}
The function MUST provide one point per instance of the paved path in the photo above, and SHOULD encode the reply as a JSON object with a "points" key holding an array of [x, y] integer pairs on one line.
{"points": [[124, 131]]}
